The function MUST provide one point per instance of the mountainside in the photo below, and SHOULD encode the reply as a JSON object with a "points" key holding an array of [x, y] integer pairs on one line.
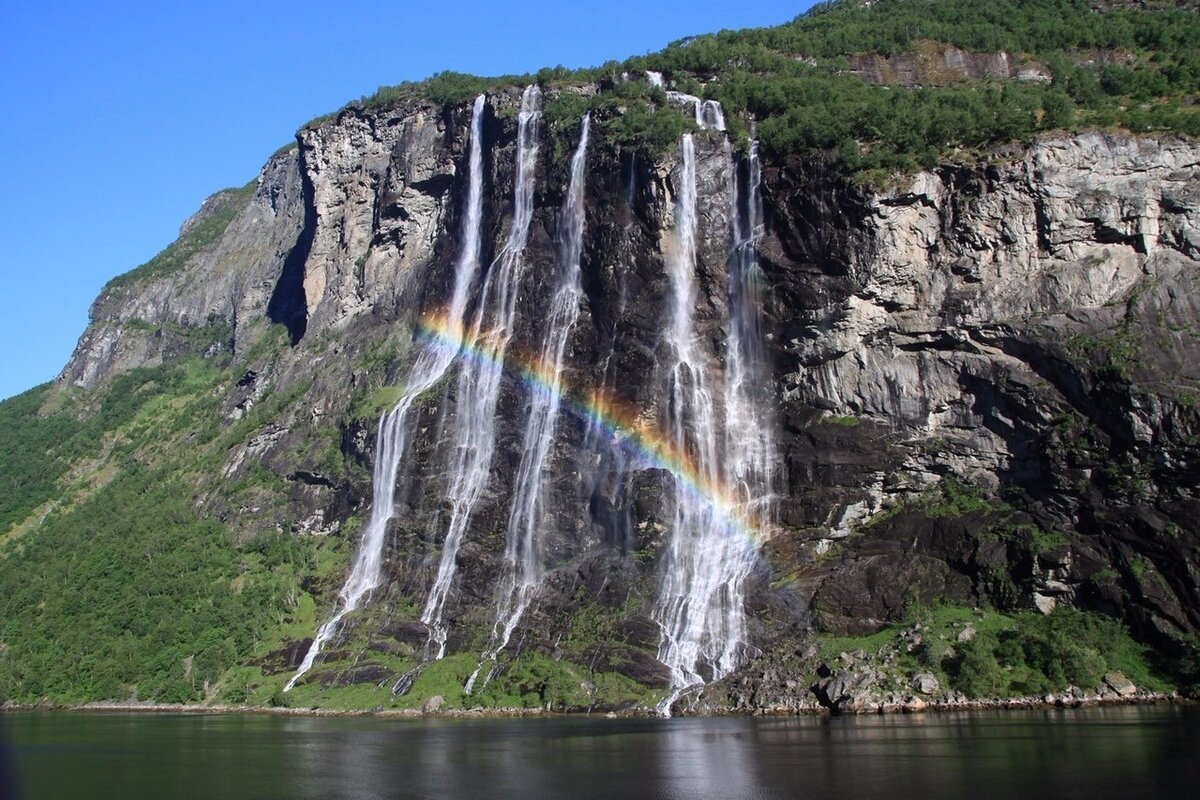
{"points": [[595, 411]]}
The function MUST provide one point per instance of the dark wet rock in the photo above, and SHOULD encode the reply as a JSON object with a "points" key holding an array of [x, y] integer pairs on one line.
{"points": [[1019, 327], [285, 659], [362, 673]]}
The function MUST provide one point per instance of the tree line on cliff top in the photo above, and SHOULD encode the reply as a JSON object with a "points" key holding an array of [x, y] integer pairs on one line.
{"points": [[1136, 69]]}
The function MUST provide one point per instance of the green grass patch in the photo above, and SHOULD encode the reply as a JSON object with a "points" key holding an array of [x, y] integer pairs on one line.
{"points": [[201, 236], [446, 678], [376, 401], [1113, 353], [1012, 655]]}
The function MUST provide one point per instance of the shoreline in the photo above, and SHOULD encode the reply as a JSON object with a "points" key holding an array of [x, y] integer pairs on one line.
{"points": [[1064, 701]]}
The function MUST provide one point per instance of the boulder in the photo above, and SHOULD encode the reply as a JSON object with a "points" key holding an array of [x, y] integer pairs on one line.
{"points": [[1122, 686], [926, 683]]}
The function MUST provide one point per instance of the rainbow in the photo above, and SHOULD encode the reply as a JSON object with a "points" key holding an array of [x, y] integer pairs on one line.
{"points": [[620, 422]]}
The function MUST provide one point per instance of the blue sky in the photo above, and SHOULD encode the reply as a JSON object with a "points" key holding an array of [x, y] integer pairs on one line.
{"points": [[119, 118]]}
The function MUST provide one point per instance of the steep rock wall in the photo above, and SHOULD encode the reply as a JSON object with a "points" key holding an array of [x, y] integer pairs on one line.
{"points": [[1025, 325]]}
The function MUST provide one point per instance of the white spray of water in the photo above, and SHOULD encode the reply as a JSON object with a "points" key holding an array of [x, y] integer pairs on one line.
{"points": [[709, 114], [694, 606], [479, 379], [749, 464], [701, 605], [392, 437], [522, 558]]}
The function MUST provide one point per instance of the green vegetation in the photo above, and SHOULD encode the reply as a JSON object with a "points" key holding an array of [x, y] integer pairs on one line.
{"points": [[40, 445], [1013, 655], [152, 609], [1134, 68], [122, 587], [124, 590], [203, 234], [793, 77], [32, 458], [528, 681], [1039, 654], [948, 498], [1113, 353]]}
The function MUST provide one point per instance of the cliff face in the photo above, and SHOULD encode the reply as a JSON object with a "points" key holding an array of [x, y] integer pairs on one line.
{"points": [[1023, 326], [1021, 330]]}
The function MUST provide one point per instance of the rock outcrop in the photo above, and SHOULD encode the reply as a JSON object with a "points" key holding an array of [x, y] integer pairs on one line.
{"points": [[986, 377], [1022, 326]]}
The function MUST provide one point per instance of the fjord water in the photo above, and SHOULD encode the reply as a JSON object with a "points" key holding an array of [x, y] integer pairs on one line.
{"points": [[1092, 753]]}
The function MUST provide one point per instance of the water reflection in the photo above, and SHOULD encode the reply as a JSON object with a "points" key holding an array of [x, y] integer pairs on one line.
{"points": [[1097, 753]]}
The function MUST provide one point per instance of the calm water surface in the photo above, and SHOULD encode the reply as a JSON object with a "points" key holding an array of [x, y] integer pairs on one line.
{"points": [[1095, 753]]}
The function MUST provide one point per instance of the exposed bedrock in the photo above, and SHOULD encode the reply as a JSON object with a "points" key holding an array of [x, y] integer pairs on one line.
{"points": [[985, 377]]}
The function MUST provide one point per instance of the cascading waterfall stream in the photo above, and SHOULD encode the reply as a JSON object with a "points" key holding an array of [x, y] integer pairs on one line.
{"points": [[479, 379], [709, 114], [392, 435], [749, 447], [720, 420], [522, 559], [692, 608], [701, 604], [749, 430]]}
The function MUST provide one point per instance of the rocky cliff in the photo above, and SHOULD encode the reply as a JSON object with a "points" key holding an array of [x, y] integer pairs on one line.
{"points": [[985, 381]]}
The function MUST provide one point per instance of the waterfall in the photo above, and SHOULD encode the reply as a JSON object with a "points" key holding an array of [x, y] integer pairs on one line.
{"points": [[749, 430], [522, 559], [709, 114], [701, 604], [392, 435], [694, 607], [479, 379]]}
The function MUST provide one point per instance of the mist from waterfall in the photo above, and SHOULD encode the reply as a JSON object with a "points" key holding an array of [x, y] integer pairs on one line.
{"points": [[479, 378], [392, 434], [701, 602], [749, 464], [693, 608], [526, 518]]}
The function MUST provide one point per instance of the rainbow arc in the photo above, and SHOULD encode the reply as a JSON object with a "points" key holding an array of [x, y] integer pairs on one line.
{"points": [[618, 420]]}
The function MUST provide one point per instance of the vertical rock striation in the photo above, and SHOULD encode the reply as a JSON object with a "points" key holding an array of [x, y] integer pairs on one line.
{"points": [[1025, 325]]}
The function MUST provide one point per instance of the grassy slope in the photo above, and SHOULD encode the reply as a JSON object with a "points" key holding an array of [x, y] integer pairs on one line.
{"points": [[204, 233], [122, 589], [1010, 655]]}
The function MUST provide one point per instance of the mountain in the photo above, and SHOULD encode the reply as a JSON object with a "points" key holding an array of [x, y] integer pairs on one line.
{"points": [[858, 353]]}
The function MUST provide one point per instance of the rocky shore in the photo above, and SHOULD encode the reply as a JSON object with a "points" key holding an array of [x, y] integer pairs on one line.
{"points": [[849, 704]]}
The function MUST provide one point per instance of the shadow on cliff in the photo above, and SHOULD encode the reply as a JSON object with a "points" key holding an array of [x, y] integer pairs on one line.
{"points": [[288, 305]]}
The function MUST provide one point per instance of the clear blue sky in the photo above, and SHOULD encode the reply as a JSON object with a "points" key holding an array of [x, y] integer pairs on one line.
{"points": [[119, 118]]}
